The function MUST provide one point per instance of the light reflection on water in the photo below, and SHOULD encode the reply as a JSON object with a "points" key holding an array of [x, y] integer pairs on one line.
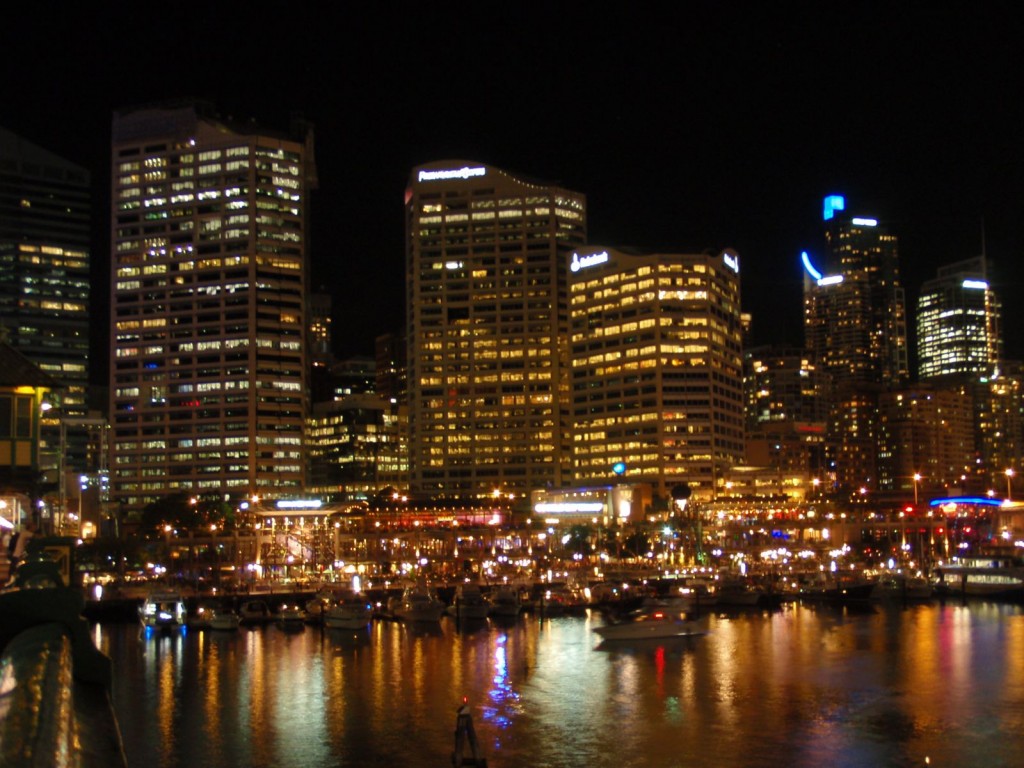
{"points": [[800, 687]]}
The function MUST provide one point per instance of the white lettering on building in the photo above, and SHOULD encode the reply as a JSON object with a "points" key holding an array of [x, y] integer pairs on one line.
{"points": [[582, 262], [456, 173]]}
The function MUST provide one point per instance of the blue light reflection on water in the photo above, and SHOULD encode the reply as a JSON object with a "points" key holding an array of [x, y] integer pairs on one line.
{"points": [[801, 687]]}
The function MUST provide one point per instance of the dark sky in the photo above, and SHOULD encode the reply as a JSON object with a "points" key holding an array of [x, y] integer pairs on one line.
{"points": [[700, 125]]}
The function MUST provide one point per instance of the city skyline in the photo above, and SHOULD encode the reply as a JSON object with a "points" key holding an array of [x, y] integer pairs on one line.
{"points": [[693, 130]]}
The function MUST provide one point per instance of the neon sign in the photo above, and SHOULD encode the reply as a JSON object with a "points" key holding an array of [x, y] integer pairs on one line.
{"points": [[831, 280], [980, 285], [732, 262], [582, 262], [865, 222], [569, 507], [808, 266], [833, 203], [299, 504], [456, 173]]}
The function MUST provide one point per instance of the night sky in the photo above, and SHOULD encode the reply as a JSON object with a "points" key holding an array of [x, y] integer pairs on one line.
{"points": [[700, 125]]}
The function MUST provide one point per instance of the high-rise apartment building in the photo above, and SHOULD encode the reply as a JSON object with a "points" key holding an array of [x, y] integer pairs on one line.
{"points": [[657, 377], [45, 231], [208, 304], [487, 323], [855, 326], [958, 323]]}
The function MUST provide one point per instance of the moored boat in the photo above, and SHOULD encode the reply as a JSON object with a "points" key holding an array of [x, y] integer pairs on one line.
{"points": [[469, 602], [995, 577], [254, 612], [418, 603], [353, 611], [505, 602], [290, 617], [655, 623], [163, 610]]}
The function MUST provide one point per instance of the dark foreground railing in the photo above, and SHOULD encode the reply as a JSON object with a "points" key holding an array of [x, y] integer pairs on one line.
{"points": [[55, 708]]}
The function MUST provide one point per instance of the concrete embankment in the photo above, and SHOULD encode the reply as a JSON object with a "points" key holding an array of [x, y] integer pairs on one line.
{"points": [[55, 708]]}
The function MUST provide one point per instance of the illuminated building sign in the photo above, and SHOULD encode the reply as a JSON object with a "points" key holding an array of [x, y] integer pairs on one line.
{"points": [[569, 507], [830, 280], [592, 260], [732, 262], [833, 203], [865, 222], [456, 173], [299, 504], [979, 285], [808, 266]]}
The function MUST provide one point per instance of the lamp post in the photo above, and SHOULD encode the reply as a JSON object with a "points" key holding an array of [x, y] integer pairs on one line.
{"points": [[1009, 479], [917, 479]]}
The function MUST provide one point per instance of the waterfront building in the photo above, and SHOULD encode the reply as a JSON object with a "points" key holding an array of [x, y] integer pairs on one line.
{"points": [[855, 327], [958, 323], [926, 441], [209, 275], [486, 255], [657, 378], [998, 425], [24, 388], [45, 232]]}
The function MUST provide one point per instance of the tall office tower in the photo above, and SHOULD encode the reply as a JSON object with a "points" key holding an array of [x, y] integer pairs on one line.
{"points": [[390, 352], [926, 431], [208, 312], [855, 326], [319, 345], [44, 281], [785, 411], [657, 376], [487, 322], [958, 332]]}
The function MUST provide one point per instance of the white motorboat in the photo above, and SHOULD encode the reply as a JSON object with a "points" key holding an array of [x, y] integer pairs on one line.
{"points": [[505, 602], [212, 615], [352, 611], [418, 603], [654, 623], [469, 602], [163, 610], [290, 617]]}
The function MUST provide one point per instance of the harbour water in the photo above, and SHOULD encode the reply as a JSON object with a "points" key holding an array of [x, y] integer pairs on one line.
{"points": [[886, 685]]}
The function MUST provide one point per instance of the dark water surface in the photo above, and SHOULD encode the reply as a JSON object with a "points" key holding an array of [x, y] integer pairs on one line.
{"points": [[938, 685]]}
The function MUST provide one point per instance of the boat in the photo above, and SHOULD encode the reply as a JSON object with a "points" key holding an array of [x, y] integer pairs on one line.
{"points": [[469, 602], [213, 615], [254, 612], [740, 593], [290, 617], [655, 623], [903, 587], [353, 611], [838, 587], [997, 577], [505, 602], [164, 610], [417, 603]]}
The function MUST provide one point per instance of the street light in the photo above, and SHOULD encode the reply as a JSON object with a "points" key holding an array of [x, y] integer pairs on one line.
{"points": [[917, 479], [1009, 478]]}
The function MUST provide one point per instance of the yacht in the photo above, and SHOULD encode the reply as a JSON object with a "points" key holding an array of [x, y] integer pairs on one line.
{"points": [[163, 610], [505, 602], [469, 602], [417, 603], [655, 623], [998, 577], [353, 611]]}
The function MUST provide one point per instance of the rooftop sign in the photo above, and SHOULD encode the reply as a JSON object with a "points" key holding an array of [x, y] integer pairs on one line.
{"points": [[455, 173], [591, 260]]}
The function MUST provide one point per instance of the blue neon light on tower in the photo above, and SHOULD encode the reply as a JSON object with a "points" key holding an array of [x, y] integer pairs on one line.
{"points": [[833, 203]]}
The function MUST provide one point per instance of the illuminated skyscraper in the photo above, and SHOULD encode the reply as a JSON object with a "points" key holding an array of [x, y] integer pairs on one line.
{"points": [[44, 279], [958, 323], [855, 326], [487, 322], [208, 311], [657, 379]]}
